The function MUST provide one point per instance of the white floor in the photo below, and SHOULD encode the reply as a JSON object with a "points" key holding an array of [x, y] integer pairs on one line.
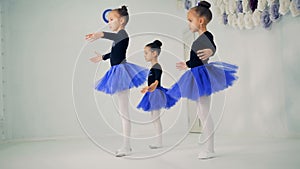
{"points": [[232, 153]]}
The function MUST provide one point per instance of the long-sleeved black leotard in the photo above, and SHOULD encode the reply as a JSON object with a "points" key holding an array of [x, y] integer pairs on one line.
{"points": [[118, 50], [204, 41], [155, 74]]}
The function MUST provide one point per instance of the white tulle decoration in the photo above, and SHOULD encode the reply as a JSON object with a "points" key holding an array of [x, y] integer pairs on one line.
{"points": [[294, 11], [270, 2], [232, 6], [261, 4], [256, 17], [248, 21], [240, 21], [284, 6], [234, 21], [245, 4]]}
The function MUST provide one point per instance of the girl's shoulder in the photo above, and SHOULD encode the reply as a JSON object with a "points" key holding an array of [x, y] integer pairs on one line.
{"points": [[157, 66], [204, 37], [208, 34], [123, 32]]}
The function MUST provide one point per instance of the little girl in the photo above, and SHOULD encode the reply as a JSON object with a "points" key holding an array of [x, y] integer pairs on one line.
{"points": [[203, 78], [155, 98], [122, 75]]}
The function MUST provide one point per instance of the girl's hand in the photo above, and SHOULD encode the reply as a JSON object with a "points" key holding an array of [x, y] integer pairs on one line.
{"points": [[204, 54], [181, 66], [145, 89], [94, 36], [153, 86], [97, 58]]}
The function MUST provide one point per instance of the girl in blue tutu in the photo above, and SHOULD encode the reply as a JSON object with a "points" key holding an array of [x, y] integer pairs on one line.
{"points": [[122, 75], [155, 97], [203, 78]]}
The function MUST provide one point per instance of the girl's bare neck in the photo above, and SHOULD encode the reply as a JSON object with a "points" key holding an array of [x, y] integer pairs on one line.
{"points": [[202, 30], [154, 61]]}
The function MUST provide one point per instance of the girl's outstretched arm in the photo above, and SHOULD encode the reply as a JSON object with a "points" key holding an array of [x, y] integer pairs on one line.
{"points": [[96, 58], [94, 36]]}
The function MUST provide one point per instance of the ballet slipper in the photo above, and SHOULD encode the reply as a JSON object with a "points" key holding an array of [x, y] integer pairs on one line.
{"points": [[124, 151]]}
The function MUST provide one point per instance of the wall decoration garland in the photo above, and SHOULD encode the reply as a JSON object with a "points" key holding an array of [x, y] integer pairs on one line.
{"points": [[189, 3], [247, 14]]}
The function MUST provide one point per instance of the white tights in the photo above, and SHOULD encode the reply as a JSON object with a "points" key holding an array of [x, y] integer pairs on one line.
{"points": [[123, 98], [155, 114], [207, 136]]}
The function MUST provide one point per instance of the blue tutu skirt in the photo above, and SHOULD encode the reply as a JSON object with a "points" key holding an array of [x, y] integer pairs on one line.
{"points": [[122, 77], [157, 100], [204, 80]]}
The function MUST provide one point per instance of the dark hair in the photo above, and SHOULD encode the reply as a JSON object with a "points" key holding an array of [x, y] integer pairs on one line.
{"points": [[123, 12], [155, 46], [203, 10]]}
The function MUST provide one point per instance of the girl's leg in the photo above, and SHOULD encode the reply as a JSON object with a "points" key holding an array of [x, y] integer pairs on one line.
{"points": [[207, 136], [123, 98], [155, 114]]}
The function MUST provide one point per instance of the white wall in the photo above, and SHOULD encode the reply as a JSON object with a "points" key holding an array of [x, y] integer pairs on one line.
{"points": [[44, 38], [1, 82]]}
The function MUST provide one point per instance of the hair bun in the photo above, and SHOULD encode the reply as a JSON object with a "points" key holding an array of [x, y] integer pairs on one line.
{"points": [[157, 43], [124, 8], [204, 4]]}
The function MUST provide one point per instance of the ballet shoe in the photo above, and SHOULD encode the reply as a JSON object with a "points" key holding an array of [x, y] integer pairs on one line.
{"points": [[124, 151], [206, 155], [155, 146]]}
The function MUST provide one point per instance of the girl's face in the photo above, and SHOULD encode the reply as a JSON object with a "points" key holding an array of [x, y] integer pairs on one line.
{"points": [[149, 54], [114, 21], [194, 21]]}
